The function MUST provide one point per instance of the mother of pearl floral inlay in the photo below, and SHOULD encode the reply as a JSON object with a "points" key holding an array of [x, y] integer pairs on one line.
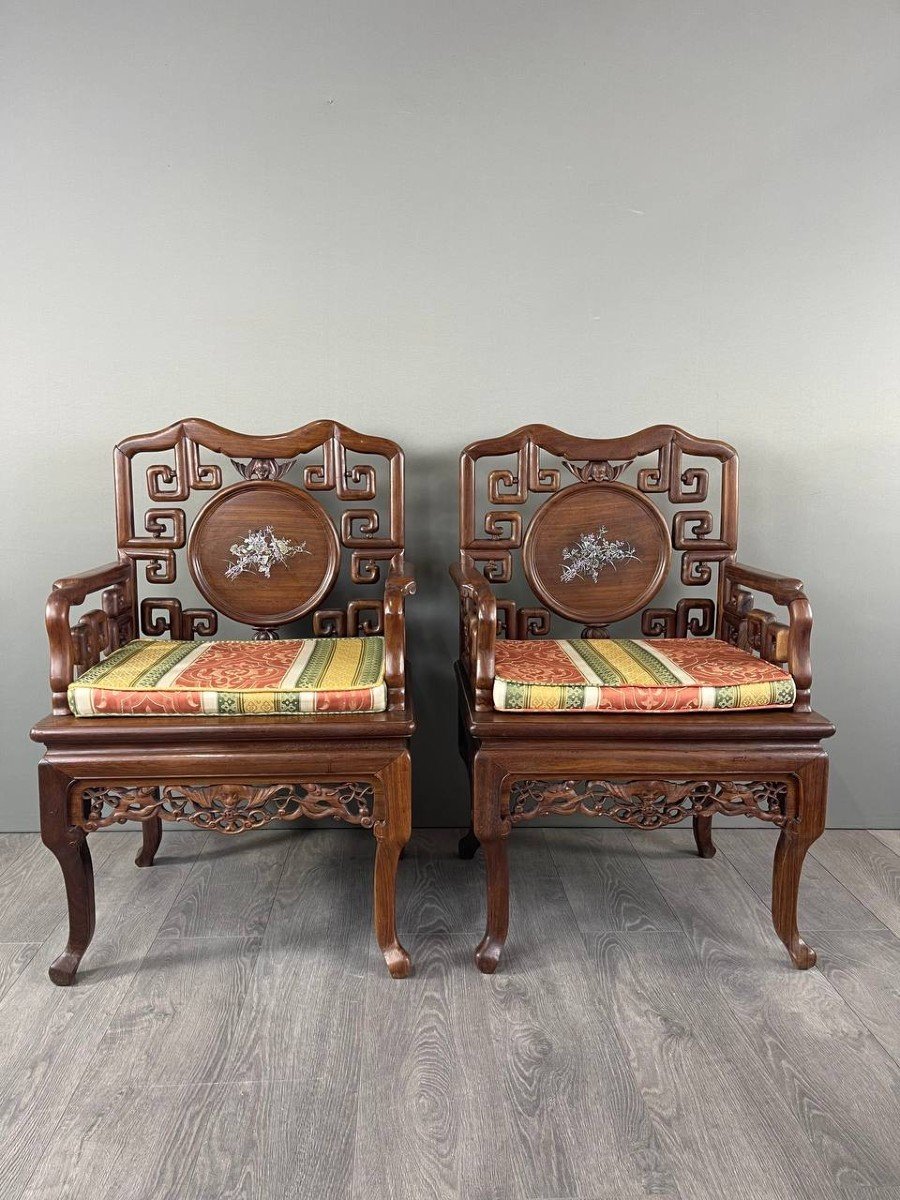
{"points": [[260, 550], [592, 553]]}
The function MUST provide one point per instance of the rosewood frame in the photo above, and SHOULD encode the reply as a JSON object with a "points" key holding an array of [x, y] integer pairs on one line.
{"points": [[228, 774], [644, 770]]}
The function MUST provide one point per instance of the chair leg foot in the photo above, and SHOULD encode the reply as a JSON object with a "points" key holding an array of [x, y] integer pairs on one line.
{"points": [[63, 969], [496, 864], [802, 956], [152, 835], [703, 837], [398, 961], [391, 835], [487, 954], [789, 855], [468, 844], [68, 843], [387, 856]]}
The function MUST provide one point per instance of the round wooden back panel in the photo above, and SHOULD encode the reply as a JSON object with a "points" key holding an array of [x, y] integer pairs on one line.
{"points": [[263, 553], [597, 552]]}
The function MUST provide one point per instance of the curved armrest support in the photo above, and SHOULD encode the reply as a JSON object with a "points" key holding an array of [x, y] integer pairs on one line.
{"points": [[103, 629], [478, 631], [788, 592], [782, 588], [399, 584]]}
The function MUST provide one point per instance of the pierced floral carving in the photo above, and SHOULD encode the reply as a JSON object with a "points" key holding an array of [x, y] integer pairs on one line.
{"points": [[592, 554], [260, 551], [649, 803], [225, 807], [262, 468]]}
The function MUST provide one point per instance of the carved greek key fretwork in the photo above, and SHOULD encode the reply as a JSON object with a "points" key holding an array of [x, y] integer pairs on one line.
{"points": [[506, 618], [664, 462], [321, 456], [737, 605], [650, 803], [166, 483], [165, 526], [362, 618], [100, 631], [160, 564], [504, 488], [365, 567], [513, 487], [768, 636], [682, 485], [330, 622], [497, 564], [522, 623], [359, 526], [689, 618], [224, 807], [504, 527], [754, 629], [358, 482], [182, 625], [92, 638]]}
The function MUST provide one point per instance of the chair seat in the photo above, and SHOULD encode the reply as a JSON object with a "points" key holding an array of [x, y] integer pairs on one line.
{"points": [[162, 678], [627, 675]]}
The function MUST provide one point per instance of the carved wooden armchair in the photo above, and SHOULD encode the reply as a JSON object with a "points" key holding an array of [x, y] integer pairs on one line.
{"points": [[231, 735], [705, 711]]}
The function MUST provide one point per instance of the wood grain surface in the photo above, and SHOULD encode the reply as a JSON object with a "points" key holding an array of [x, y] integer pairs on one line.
{"points": [[235, 1035]]}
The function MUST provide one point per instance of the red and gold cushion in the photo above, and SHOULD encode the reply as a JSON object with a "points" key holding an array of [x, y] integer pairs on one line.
{"points": [[216, 679], [626, 675]]}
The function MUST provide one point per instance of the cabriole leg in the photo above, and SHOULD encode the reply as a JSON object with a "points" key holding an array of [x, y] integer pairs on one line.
{"points": [[490, 832], [392, 833], [703, 836], [152, 835], [69, 844], [794, 842]]}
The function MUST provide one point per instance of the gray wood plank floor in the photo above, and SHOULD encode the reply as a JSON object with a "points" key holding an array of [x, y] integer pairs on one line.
{"points": [[234, 1034]]}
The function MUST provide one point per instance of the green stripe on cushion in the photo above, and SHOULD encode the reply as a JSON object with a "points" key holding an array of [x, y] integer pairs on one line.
{"points": [[114, 660], [371, 663], [598, 664], [152, 675], [660, 672], [316, 664]]}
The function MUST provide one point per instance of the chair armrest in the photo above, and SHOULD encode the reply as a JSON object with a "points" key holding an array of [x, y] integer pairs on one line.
{"points": [[477, 631], [785, 591], [99, 630], [398, 585], [782, 588]]}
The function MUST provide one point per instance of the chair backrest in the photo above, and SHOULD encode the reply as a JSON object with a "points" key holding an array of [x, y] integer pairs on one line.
{"points": [[265, 525], [600, 526]]}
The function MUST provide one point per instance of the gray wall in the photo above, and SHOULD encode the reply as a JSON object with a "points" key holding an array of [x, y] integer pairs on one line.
{"points": [[439, 221]]}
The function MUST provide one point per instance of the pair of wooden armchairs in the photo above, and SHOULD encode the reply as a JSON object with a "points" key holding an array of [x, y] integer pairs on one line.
{"points": [[705, 711]]}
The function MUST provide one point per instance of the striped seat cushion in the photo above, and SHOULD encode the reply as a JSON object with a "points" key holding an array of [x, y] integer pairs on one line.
{"points": [[625, 675], [215, 679]]}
